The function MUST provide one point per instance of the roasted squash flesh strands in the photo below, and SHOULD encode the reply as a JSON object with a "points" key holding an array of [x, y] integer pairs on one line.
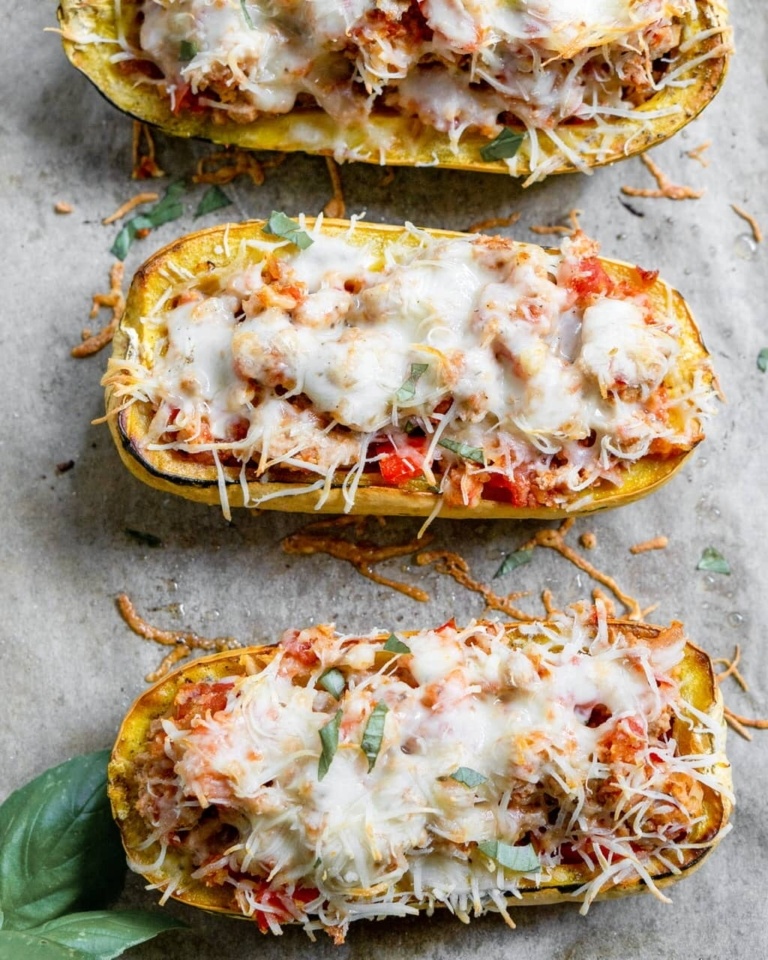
{"points": [[432, 83], [384, 370], [331, 778]]}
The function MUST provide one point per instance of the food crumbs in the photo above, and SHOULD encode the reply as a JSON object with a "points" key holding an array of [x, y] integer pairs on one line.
{"points": [[588, 540], [336, 206], [757, 233], [145, 166], [559, 228], [696, 153], [114, 301], [665, 189], [62, 207], [493, 223], [656, 543]]}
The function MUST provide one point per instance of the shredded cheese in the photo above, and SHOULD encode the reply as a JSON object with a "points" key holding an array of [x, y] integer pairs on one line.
{"points": [[125, 208], [666, 188], [114, 301], [145, 166], [457, 769], [336, 206], [655, 543], [757, 233]]}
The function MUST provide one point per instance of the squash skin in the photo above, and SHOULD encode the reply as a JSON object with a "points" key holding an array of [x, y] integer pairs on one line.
{"points": [[392, 140], [170, 472], [698, 686]]}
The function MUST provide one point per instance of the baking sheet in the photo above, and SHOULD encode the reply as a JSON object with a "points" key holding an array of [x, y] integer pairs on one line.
{"points": [[70, 667]]}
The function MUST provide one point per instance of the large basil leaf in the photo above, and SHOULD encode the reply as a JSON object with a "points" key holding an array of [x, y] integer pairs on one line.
{"points": [[104, 934], [59, 847], [18, 944]]}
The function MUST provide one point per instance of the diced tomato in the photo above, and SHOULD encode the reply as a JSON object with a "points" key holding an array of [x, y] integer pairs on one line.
{"points": [[590, 279], [502, 489], [277, 901], [197, 699], [403, 463]]}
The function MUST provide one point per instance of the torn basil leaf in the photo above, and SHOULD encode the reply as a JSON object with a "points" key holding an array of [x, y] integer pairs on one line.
{"points": [[333, 682], [395, 645], [329, 738], [187, 51], [214, 198], [502, 147], [520, 859], [374, 733], [407, 392], [247, 15], [463, 450], [762, 360], [168, 208], [514, 560], [468, 776], [280, 225], [713, 561]]}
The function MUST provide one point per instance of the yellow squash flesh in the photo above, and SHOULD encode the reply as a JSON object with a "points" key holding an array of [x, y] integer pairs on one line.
{"points": [[398, 140], [208, 252], [697, 686]]}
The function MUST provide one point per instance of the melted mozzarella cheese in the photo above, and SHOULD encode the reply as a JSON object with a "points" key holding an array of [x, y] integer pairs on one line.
{"points": [[364, 824]]}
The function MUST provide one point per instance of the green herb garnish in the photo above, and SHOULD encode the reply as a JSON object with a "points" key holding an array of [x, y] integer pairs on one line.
{"points": [[503, 147], [514, 560], [214, 198], [408, 390], [329, 737], [333, 682], [61, 863], [520, 859], [395, 645], [374, 733], [762, 360], [247, 15], [713, 561], [281, 225], [187, 51], [166, 209], [468, 776], [463, 450]]}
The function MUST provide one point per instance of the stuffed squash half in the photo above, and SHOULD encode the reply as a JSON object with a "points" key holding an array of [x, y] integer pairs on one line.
{"points": [[331, 778], [374, 369], [524, 88]]}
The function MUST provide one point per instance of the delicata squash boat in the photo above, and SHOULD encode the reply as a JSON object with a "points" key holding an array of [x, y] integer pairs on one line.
{"points": [[343, 366], [525, 88], [331, 778]]}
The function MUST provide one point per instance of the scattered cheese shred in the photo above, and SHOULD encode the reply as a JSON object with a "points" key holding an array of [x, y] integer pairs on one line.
{"points": [[757, 233], [336, 206], [125, 208], [114, 301], [145, 166], [450, 563], [732, 669], [588, 540], [666, 189], [735, 720], [62, 207], [182, 641], [224, 166], [319, 537], [493, 223], [555, 540], [656, 543], [697, 153], [559, 228]]}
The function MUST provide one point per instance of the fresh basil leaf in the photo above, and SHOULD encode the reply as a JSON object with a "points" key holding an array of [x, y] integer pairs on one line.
{"points": [[411, 428], [166, 209], [502, 147], [59, 847], [27, 945], [247, 15], [187, 51], [463, 450], [105, 934], [374, 733], [214, 198], [520, 859], [713, 561], [762, 360], [514, 560], [333, 682], [408, 390], [329, 738], [281, 225], [395, 645], [468, 776]]}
